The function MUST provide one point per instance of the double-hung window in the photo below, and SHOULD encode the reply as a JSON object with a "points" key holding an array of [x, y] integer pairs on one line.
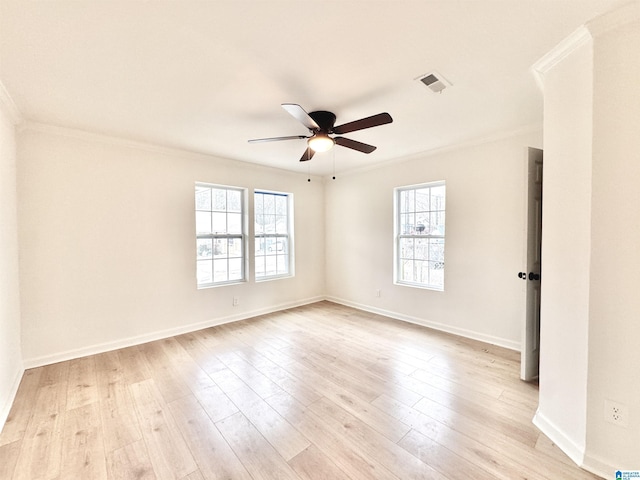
{"points": [[419, 239], [220, 235], [273, 234]]}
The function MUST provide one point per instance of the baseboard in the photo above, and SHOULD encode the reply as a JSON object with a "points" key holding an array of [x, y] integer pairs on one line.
{"points": [[7, 403], [500, 342], [160, 334], [599, 467], [574, 451]]}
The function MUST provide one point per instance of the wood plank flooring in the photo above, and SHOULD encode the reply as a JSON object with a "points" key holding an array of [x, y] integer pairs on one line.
{"points": [[316, 392]]}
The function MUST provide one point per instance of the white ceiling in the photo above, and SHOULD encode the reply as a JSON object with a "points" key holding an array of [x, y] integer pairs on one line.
{"points": [[206, 76]]}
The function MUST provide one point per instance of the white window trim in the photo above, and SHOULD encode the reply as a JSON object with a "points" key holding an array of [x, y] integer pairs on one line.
{"points": [[289, 236], [398, 236], [243, 236]]}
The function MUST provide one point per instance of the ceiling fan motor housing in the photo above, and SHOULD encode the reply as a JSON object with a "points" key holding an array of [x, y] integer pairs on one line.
{"points": [[325, 120]]}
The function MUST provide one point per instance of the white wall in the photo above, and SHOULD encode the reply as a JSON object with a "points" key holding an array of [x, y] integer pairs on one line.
{"points": [[107, 245], [11, 367], [614, 327], [591, 244], [566, 250], [483, 297]]}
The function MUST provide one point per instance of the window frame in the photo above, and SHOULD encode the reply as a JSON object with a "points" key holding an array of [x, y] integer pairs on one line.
{"points": [[399, 236], [277, 236], [215, 236]]}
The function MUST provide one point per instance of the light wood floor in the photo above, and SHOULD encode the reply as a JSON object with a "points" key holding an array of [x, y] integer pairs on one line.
{"points": [[316, 392]]}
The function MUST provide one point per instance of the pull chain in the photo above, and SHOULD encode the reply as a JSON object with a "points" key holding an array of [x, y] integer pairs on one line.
{"points": [[334, 163]]}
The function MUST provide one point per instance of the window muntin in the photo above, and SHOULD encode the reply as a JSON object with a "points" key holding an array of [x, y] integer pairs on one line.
{"points": [[220, 235], [273, 234], [420, 235]]}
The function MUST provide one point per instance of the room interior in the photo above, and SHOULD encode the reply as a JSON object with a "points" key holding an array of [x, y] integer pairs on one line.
{"points": [[111, 113]]}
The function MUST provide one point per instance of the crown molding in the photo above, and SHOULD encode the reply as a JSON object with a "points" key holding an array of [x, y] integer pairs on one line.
{"points": [[471, 143], [566, 47], [96, 137], [9, 107], [626, 14], [122, 142]]}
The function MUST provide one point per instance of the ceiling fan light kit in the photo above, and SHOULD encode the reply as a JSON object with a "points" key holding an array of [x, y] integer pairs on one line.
{"points": [[321, 142], [321, 126]]}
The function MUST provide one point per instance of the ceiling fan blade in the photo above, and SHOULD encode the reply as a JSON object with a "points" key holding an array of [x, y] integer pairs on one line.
{"points": [[372, 121], [276, 139], [361, 147], [307, 155], [297, 112]]}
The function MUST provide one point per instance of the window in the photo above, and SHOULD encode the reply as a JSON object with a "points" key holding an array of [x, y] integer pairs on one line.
{"points": [[273, 234], [220, 235], [419, 226]]}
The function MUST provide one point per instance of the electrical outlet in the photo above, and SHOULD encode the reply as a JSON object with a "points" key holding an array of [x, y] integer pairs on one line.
{"points": [[236, 301], [616, 413]]}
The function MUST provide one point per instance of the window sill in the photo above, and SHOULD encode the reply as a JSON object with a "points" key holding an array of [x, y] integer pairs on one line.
{"points": [[221, 284], [273, 277], [435, 288]]}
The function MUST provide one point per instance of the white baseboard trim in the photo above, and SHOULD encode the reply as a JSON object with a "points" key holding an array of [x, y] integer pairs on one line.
{"points": [[7, 403], [500, 342], [158, 335], [599, 467], [574, 451]]}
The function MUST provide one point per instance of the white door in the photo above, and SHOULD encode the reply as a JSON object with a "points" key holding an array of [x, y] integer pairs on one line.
{"points": [[530, 355]]}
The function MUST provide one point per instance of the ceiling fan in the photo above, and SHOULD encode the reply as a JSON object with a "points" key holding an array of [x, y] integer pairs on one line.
{"points": [[321, 127]]}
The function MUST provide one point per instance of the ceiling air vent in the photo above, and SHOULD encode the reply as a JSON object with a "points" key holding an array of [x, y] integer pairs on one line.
{"points": [[434, 81]]}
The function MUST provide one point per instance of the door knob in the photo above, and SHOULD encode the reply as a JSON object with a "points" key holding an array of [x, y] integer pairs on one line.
{"points": [[534, 276]]}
